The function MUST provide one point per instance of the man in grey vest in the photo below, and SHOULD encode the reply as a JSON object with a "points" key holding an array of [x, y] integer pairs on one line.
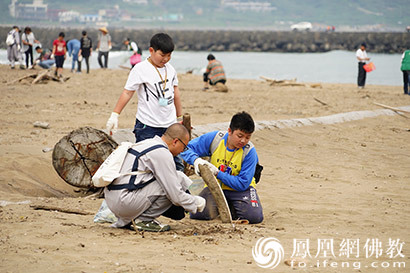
{"points": [[158, 188]]}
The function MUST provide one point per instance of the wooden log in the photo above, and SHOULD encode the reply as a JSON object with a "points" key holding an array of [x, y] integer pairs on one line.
{"points": [[319, 101], [217, 193], [65, 210], [40, 77], [391, 108], [22, 78], [77, 156], [186, 121]]}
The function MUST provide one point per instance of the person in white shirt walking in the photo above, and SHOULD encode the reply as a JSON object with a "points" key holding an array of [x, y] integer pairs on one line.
{"points": [[27, 40], [361, 56]]}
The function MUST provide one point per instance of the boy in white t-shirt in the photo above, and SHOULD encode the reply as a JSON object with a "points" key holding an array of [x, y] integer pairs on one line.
{"points": [[156, 84]]}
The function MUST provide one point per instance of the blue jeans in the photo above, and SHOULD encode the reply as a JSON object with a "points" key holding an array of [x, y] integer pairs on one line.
{"points": [[243, 205], [46, 64], [142, 131]]}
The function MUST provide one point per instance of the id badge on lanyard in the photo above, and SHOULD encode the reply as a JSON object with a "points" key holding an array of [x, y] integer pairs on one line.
{"points": [[163, 102]]}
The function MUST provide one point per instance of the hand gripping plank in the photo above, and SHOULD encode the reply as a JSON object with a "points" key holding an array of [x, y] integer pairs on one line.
{"points": [[217, 193]]}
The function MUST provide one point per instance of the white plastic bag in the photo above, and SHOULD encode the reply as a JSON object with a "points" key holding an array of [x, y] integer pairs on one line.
{"points": [[110, 168], [10, 39], [104, 214]]}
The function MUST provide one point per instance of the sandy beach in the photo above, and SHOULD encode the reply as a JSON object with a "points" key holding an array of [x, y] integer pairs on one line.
{"points": [[323, 182]]}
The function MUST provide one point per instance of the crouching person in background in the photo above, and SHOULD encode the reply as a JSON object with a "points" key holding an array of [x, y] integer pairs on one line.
{"points": [[44, 60]]}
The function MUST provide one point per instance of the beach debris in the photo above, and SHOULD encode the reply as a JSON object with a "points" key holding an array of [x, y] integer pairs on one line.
{"points": [[104, 214], [78, 155], [217, 193], [65, 210], [291, 82], [321, 102], [41, 124], [220, 87], [4, 203], [124, 67], [47, 149], [41, 77], [397, 110]]}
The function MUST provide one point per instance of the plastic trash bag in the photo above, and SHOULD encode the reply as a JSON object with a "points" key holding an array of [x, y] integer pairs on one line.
{"points": [[104, 215]]}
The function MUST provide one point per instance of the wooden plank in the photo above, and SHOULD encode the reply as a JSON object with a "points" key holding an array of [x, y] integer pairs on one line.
{"points": [[65, 210], [391, 108], [217, 193]]}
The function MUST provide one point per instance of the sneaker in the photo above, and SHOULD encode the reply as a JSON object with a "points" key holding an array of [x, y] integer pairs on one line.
{"points": [[22, 66], [152, 226]]}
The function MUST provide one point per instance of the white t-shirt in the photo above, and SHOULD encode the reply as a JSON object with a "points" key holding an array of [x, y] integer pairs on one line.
{"points": [[156, 106], [362, 55], [27, 38]]}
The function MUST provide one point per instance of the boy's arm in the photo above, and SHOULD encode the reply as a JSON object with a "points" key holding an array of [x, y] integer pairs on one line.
{"points": [[112, 122], [241, 181], [125, 97], [198, 147], [177, 101]]}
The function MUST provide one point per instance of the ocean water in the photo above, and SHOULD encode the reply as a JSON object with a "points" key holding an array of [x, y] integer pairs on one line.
{"points": [[330, 67]]}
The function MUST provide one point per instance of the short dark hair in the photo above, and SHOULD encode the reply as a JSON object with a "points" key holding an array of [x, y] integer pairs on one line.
{"points": [[210, 57], [61, 34], [27, 29], [84, 32], [37, 47], [163, 42], [242, 121], [363, 44]]}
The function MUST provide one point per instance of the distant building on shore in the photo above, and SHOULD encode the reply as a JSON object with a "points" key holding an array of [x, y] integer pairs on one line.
{"points": [[36, 10]]}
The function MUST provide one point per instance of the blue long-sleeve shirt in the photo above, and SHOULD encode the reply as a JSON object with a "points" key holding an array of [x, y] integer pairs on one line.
{"points": [[200, 147], [73, 46]]}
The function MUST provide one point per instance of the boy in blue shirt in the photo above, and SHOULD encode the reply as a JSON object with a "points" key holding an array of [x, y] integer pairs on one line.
{"points": [[233, 162]]}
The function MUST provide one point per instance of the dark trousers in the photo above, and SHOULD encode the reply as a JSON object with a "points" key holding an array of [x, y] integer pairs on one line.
{"points": [[29, 54], [243, 205], [142, 131], [100, 55], [406, 81], [87, 63], [206, 79], [361, 78]]}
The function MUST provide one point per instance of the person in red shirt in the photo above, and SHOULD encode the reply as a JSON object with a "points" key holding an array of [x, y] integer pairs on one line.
{"points": [[59, 52]]}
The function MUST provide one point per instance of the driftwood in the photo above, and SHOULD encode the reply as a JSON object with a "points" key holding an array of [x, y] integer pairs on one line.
{"points": [[217, 193], [77, 156], [124, 67], [42, 76], [22, 78], [391, 108], [321, 102], [291, 82], [186, 121], [65, 210]]}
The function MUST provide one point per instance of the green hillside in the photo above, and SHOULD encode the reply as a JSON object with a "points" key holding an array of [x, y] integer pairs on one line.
{"points": [[376, 14]]}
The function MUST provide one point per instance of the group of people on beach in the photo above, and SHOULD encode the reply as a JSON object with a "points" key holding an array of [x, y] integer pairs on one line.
{"points": [[76, 49], [162, 143], [361, 56]]}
